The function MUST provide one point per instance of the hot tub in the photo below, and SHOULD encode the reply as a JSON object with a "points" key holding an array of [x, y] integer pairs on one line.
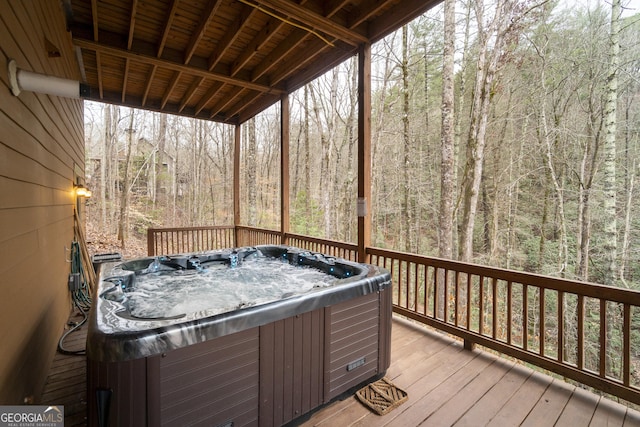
{"points": [[240, 355]]}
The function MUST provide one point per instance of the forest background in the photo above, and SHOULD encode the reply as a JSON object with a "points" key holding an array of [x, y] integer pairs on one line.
{"points": [[527, 181]]}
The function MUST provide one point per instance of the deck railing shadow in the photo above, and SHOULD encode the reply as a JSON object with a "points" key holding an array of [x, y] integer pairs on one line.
{"points": [[583, 331]]}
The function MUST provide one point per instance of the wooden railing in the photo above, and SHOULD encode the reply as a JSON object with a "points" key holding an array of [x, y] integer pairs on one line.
{"points": [[167, 241], [582, 331], [251, 236], [328, 247]]}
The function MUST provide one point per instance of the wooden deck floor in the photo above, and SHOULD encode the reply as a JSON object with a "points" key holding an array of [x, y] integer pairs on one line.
{"points": [[447, 385]]}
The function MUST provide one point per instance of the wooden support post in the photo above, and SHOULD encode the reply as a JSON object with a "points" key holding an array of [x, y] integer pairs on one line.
{"points": [[364, 150], [469, 345], [284, 167], [236, 183]]}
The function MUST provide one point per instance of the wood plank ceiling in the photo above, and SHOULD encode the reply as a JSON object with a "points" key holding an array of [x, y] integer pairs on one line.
{"points": [[221, 60]]}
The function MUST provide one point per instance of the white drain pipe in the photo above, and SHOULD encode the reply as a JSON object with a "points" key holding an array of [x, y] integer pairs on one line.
{"points": [[22, 80]]}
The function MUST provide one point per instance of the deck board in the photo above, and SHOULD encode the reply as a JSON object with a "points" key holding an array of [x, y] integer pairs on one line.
{"points": [[447, 385]]}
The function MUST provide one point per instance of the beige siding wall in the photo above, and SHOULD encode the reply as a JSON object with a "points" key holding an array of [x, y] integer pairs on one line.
{"points": [[41, 153]]}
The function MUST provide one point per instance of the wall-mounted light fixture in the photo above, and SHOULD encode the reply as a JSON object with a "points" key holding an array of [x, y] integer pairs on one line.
{"points": [[22, 80], [82, 191]]}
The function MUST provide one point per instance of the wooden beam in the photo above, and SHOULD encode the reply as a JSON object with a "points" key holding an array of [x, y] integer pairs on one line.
{"points": [[132, 23], [192, 89], [94, 16], [171, 65], [236, 178], [364, 150], [205, 19], [99, 69], [167, 26], [402, 13], [265, 34], [170, 87], [224, 103], [230, 36], [315, 21], [284, 166], [149, 83], [125, 77], [213, 90]]}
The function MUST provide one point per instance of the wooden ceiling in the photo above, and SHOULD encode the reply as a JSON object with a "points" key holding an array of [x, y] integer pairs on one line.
{"points": [[221, 60]]}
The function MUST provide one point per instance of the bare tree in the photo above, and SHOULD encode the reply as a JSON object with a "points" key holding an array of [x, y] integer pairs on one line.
{"points": [[448, 166], [610, 225]]}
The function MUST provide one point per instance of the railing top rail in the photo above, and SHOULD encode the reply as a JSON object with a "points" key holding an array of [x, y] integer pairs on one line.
{"points": [[335, 243], [205, 227], [259, 230], [588, 289]]}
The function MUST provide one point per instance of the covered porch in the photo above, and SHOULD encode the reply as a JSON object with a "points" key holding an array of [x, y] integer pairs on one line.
{"points": [[167, 64]]}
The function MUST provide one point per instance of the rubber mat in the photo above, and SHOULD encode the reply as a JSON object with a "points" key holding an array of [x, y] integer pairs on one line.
{"points": [[381, 396]]}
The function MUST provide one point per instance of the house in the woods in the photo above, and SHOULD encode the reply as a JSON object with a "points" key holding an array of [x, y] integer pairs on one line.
{"points": [[227, 61]]}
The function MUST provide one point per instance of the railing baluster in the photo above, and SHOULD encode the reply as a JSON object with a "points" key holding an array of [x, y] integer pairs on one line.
{"points": [[509, 311], [435, 293], [445, 295], [494, 321], [425, 297], [560, 326], [603, 337], [525, 317], [416, 286], [626, 346], [468, 302], [580, 355], [541, 323], [456, 303], [481, 305]]}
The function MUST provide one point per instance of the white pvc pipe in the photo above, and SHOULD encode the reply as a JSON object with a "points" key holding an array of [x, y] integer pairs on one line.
{"points": [[22, 80]]}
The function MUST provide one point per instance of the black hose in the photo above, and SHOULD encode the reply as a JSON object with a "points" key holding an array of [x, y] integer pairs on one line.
{"points": [[80, 297]]}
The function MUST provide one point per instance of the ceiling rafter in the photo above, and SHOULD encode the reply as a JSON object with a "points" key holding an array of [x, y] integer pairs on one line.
{"points": [[197, 35], [163, 40], [231, 35], [295, 41], [190, 92], [94, 16], [132, 23], [315, 21], [152, 74], [170, 87], [168, 64], [258, 41], [132, 26], [249, 99], [213, 91], [269, 30], [243, 55], [225, 101], [125, 76], [246, 14], [167, 26]]}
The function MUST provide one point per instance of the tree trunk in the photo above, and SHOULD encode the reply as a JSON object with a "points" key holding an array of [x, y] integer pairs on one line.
{"points": [[447, 162], [124, 195], [408, 200], [159, 166], [609, 167], [252, 195]]}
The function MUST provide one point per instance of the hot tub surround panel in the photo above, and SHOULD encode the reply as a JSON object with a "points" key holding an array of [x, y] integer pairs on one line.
{"points": [[261, 365]]}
